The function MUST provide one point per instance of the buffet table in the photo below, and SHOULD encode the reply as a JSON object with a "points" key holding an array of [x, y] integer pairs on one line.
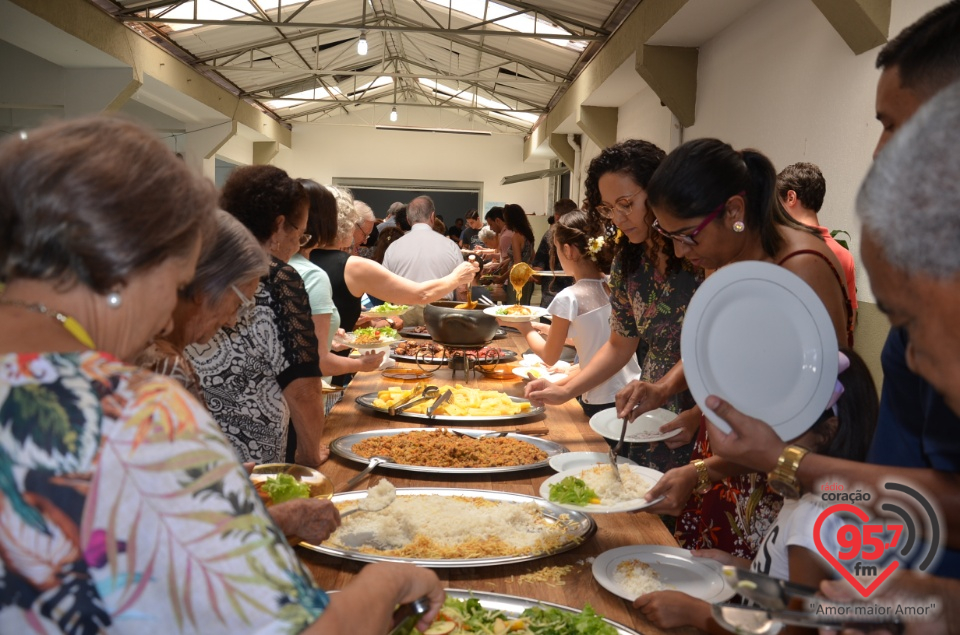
{"points": [[568, 426]]}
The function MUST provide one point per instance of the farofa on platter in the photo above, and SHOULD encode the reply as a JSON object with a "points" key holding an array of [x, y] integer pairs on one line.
{"points": [[441, 448]]}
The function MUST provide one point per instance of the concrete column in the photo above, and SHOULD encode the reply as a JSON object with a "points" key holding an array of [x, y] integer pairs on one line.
{"points": [[863, 24], [671, 71], [264, 151], [600, 124], [202, 144], [563, 149]]}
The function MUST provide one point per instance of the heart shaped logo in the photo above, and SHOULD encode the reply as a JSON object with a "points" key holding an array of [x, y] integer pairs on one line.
{"points": [[873, 541]]}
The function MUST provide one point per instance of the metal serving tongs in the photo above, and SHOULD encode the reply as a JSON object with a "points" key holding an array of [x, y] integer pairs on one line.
{"points": [[439, 401], [774, 597], [616, 449], [399, 406]]}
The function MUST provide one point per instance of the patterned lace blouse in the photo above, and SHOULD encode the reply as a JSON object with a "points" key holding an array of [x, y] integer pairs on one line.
{"points": [[124, 510], [650, 305], [244, 370]]}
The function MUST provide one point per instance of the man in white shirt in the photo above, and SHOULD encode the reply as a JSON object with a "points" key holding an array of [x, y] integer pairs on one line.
{"points": [[422, 254]]}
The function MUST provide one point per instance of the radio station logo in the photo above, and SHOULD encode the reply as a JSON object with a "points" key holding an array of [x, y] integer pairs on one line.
{"points": [[866, 550]]}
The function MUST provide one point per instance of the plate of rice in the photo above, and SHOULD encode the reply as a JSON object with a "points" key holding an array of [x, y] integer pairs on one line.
{"points": [[604, 494], [630, 572]]}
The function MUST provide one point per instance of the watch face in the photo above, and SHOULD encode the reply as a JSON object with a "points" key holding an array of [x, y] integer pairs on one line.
{"points": [[787, 490], [703, 489]]}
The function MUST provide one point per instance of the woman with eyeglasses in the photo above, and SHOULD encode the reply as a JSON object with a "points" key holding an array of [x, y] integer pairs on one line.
{"points": [[264, 373], [228, 273], [326, 317], [720, 206], [650, 288]]}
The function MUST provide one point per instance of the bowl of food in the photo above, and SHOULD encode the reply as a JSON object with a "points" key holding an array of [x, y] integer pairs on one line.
{"points": [[281, 482], [458, 327]]}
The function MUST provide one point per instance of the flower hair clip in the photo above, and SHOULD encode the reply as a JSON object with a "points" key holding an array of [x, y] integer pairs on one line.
{"points": [[594, 245]]}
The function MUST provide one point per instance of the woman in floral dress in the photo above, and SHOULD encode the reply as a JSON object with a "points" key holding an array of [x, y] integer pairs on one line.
{"points": [[123, 508], [649, 291]]}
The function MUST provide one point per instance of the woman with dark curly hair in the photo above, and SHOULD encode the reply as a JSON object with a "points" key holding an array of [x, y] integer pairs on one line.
{"points": [[649, 291], [264, 372]]}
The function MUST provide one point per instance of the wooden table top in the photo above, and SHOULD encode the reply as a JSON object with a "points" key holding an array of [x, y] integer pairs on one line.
{"points": [[568, 426]]}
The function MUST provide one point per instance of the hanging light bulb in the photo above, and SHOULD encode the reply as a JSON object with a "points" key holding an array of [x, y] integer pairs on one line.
{"points": [[393, 114], [362, 44]]}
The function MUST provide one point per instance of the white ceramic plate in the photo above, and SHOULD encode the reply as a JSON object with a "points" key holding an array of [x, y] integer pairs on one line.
{"points": [[648, 474], [676, 568], [536, 312], [582, 460], [386, 313], [643, 429], [758, 336]]}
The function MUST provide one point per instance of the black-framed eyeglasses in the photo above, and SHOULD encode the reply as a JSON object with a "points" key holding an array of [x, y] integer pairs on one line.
{"points": [[623, 205], [690, 238], [366, 234]]}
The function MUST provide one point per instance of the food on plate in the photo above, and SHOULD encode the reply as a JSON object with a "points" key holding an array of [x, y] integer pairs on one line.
{"points": [[442, 448], [463, 402], [386, 307], [514, 309], [637, 578], [573, 491], [281, 489], [468, 617], [604, 485], [419, 329], [452, 527], [374, 335]]}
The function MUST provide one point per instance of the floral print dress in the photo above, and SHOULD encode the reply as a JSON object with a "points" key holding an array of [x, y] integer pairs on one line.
{"points": [[123, 509], [650, 305]]}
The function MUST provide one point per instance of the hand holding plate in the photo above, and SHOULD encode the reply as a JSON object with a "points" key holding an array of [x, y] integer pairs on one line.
{"points": [[371, 361], [676, 487], [673, 609], [688, 422], [750, 442]]}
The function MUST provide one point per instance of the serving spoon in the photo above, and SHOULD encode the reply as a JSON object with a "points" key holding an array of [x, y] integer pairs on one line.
{"points": [[372, 463]]}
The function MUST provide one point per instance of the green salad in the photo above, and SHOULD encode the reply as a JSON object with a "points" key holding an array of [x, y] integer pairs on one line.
{"points": [[371, 334], [468, 617], [285, 488], [386, 307], [573, 491]]}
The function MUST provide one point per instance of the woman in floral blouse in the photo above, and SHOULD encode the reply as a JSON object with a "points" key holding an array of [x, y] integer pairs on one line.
{"points": [[122, 506], [649, 291]]}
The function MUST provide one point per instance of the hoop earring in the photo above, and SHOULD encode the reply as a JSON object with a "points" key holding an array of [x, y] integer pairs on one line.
{"points": [[114, 300], [739, 226]]}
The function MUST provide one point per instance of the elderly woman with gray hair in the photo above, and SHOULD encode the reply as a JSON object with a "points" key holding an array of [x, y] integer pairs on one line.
{"points": [[227, 275]]}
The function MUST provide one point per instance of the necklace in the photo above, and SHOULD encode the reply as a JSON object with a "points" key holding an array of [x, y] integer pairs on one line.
{"points": [[73, 327]]}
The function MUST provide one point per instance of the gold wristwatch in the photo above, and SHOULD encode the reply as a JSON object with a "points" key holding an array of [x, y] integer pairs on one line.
{"points": [[703, 477], [783, 478]]}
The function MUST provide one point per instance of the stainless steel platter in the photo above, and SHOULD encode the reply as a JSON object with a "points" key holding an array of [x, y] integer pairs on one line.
{"points": [[366, 401], [581, 527], [514, 605], [343, 447]]}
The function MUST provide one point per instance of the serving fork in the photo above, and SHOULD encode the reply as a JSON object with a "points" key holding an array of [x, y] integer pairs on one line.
{"points": [[616, 449]]}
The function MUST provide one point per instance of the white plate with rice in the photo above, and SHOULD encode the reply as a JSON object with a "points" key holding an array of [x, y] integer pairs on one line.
{"points": [[630, 572], [644, 429], [614, 497], [583, 460]]}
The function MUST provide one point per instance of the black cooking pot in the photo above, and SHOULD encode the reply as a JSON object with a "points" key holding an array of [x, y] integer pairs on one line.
{"points": [[458, 327]]}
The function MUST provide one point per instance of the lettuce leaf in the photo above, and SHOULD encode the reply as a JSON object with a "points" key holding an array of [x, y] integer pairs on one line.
{"points": [[284, 488]]}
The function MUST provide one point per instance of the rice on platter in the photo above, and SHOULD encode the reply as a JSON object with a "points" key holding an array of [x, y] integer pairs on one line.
{"points": [[451, 527], [637, 578], [601, 480]]}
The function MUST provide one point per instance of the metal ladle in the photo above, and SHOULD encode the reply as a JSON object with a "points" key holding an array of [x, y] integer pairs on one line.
{"points": [[372, 463]]}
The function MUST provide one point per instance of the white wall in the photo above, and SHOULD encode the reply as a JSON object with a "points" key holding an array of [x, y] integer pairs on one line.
{"points": [[782, 80], [322, 152], [643, 117]]}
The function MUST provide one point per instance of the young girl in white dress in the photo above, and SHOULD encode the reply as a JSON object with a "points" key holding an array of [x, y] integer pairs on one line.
{"points": [[580, 312]]}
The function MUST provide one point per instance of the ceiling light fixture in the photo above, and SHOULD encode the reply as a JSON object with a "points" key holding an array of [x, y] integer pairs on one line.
{"points": [[393, 114], [362, 44]]}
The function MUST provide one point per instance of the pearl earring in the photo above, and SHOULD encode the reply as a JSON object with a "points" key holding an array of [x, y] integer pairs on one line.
{"points": [[114, 300], [739, 226]]}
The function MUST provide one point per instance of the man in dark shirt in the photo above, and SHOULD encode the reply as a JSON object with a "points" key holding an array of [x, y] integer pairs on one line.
{"points": [[549, 286]]}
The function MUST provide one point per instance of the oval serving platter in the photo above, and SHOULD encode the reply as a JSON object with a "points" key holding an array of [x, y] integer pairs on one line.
{"points": [[366, 401], [342, 447], [580, 527]]}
